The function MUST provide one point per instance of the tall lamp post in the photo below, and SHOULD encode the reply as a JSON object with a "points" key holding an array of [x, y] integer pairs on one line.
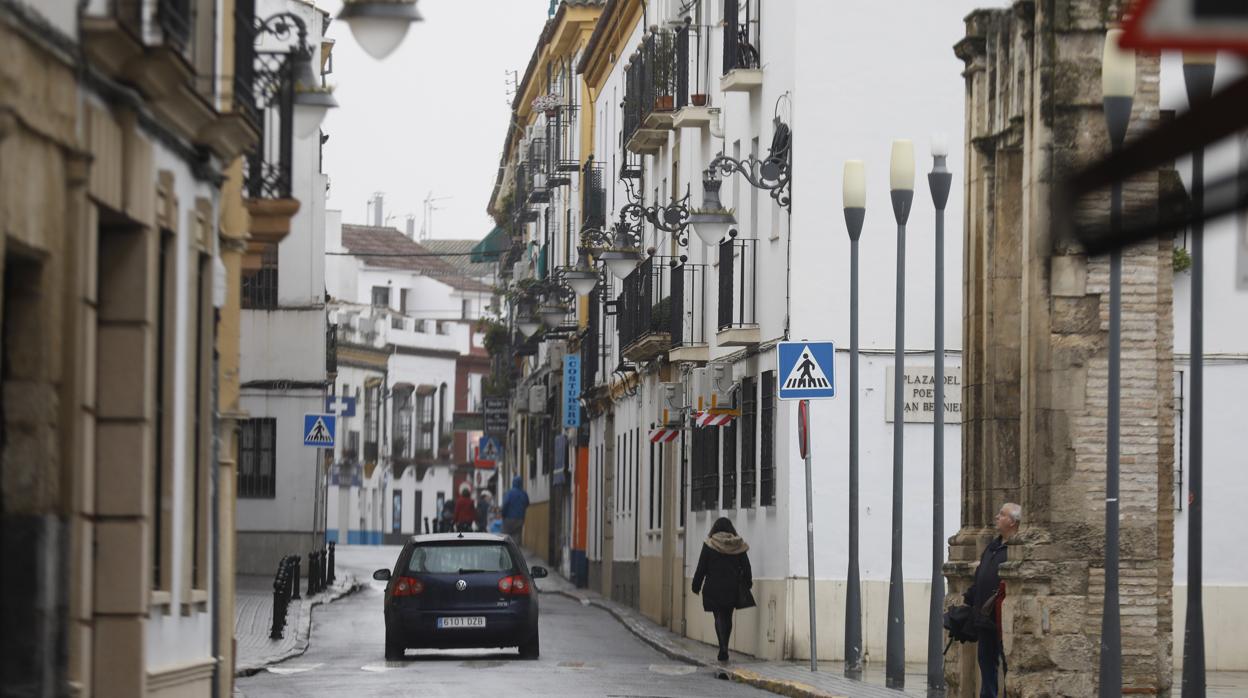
{"points": [[1117, 90], [901, 185], [854, 198], [939, 181], [1198, 70]]}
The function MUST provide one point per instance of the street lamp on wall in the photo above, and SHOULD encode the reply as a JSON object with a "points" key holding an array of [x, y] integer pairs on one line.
{"points": [[773, 173], [711, 222], [620, 249], [379, 25], [672, 218]]}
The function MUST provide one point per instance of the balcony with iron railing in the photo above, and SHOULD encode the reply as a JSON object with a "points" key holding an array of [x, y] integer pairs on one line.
{"points": [[559, 165], [539, 192], [645, 311], [688, 314], [650, 93], [742, 43], [693, 108], [738, 277], [593, 195]]}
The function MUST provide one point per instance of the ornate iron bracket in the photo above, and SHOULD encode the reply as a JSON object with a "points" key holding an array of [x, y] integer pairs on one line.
{"points": [[279, 27], [772, 174], [672, 218]]}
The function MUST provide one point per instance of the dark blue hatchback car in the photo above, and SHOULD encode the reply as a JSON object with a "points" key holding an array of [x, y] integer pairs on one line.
{"points": [[460, 590]]}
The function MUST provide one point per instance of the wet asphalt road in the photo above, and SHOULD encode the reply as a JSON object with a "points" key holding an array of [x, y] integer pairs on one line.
{"points": [[585, 652]]}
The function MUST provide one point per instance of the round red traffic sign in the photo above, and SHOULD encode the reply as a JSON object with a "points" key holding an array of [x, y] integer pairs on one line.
{"points": [[803, 427]]}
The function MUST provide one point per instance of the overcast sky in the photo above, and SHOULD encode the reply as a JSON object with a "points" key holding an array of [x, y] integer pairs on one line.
{"points": [[431, 116]]}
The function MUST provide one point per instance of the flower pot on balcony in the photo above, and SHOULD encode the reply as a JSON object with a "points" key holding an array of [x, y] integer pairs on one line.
{"points": [[698, 99], [663, 103]]}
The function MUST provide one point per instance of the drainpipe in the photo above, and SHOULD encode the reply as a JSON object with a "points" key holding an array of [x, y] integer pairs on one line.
{"points": [[215, 514]]}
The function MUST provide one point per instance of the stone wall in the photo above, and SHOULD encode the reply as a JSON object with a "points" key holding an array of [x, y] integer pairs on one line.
{"points": [[1036, 312]]}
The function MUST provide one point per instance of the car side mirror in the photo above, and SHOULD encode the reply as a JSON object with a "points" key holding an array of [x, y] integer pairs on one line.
{"points": [[538, 572], [382, 575]]}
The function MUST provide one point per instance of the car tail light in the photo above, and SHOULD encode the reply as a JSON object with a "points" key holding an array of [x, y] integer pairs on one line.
{"points": [[515, 585], [409, 586]]}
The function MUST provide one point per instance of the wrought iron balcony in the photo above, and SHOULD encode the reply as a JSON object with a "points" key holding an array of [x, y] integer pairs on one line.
{"points": [[645, 310], [688, 313], [174, 18], [539, 193], [650, 92], [738, 277], [741, 35], [593, 196], [268, 166]]}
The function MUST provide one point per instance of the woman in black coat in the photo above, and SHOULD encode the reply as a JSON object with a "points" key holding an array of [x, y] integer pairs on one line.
{"points": [[723, 578]]}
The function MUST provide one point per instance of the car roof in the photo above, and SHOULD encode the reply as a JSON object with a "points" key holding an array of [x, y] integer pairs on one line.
{"points": [[456, 537]]}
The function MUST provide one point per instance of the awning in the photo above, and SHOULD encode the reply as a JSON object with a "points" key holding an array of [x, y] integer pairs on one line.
{"points": [[491, 246]]}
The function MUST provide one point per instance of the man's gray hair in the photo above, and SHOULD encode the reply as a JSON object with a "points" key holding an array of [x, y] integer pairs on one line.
{"points": [[1013, 511]]}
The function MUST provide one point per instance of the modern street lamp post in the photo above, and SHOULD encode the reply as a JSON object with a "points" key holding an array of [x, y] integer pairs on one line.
{"points": [[901, 185], [854, 199], [939, 181], [1198, 71], [1117, 91]]}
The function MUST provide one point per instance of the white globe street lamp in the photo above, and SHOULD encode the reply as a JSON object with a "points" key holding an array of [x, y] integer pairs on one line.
{"points": [[379, 25]]}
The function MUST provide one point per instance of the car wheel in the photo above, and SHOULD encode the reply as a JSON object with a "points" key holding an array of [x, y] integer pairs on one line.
{"points": [[531, 648], [394, 648]]}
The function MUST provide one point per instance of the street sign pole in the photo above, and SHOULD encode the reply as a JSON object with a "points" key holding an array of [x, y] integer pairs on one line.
{"points": [[803, 409]]}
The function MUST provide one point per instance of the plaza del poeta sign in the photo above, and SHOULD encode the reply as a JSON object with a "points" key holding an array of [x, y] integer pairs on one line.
{"points": [[919, 394]]}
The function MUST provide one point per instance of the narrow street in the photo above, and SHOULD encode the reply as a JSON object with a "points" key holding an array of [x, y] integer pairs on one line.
{"points": [[585, 652]]}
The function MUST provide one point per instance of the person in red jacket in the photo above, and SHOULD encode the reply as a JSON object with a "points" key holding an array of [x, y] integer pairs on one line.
{"points": [[465, 510]]}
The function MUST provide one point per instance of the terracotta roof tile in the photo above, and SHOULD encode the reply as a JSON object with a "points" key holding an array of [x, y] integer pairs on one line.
{"points": [[387, 247]]}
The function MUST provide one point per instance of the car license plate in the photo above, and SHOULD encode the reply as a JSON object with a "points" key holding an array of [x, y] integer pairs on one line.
{"points": [[462, 622]]}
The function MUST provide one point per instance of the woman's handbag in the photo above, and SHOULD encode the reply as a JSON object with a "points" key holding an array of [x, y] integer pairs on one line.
{"points": [[744, 598]]}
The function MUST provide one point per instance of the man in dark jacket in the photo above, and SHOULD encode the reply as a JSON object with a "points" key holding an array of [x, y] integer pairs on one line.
{"points": [[515, 505], [484, 502], [982, 597]]}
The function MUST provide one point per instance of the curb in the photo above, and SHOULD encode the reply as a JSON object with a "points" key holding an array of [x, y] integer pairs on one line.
{"points": [[793, 689], [303, 633]]}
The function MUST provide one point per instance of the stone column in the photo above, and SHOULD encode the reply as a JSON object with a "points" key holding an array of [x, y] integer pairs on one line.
{"points": [[1035, 315]]}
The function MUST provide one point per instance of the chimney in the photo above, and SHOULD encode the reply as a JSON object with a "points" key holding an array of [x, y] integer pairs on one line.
{"points": [[379, 218], [411, 226]]}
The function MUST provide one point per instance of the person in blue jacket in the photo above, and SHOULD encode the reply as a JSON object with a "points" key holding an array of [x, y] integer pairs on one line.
{"points": [[515, 505]]}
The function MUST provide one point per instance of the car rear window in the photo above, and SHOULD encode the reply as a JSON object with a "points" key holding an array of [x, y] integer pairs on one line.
{"points": [[460, 558]]}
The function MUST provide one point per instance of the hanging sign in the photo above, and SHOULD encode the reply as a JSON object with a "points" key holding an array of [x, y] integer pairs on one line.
{"points": [[572, 391]]}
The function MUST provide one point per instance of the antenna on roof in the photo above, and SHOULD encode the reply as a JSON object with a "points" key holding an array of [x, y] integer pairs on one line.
{"points": [[426, 225]]}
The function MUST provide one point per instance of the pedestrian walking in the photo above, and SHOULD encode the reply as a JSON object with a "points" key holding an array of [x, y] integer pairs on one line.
{"points": [[465, 511], [484, 502], [724, 579], [515, 505], [496, 520], [985, 596], [446, 521]]}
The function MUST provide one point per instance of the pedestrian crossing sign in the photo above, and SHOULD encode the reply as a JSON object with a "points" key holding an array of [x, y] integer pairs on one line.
{"points": [[806, 371], [318, 430]]}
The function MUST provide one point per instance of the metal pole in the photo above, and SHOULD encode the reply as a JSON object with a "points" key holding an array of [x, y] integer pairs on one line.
{"points": [[939, 181], [895, 661], [1117, 114], [853, 590], [1198, 77], [810, 544]]}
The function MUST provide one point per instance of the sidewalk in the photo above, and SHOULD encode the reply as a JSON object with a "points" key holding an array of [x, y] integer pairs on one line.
{"points": [[253, 619], [784, 678]]}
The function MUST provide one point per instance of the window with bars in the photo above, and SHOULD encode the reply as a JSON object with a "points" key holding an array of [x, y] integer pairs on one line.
{"points": [[767, 455], [729, 479], [257, 458], [705, 482], [372, 411], [749, 438], [381, 296], [259, 284]]}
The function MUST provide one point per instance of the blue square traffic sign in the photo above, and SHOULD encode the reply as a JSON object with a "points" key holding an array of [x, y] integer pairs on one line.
{"points": [[806, 371], [318, 430]]}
